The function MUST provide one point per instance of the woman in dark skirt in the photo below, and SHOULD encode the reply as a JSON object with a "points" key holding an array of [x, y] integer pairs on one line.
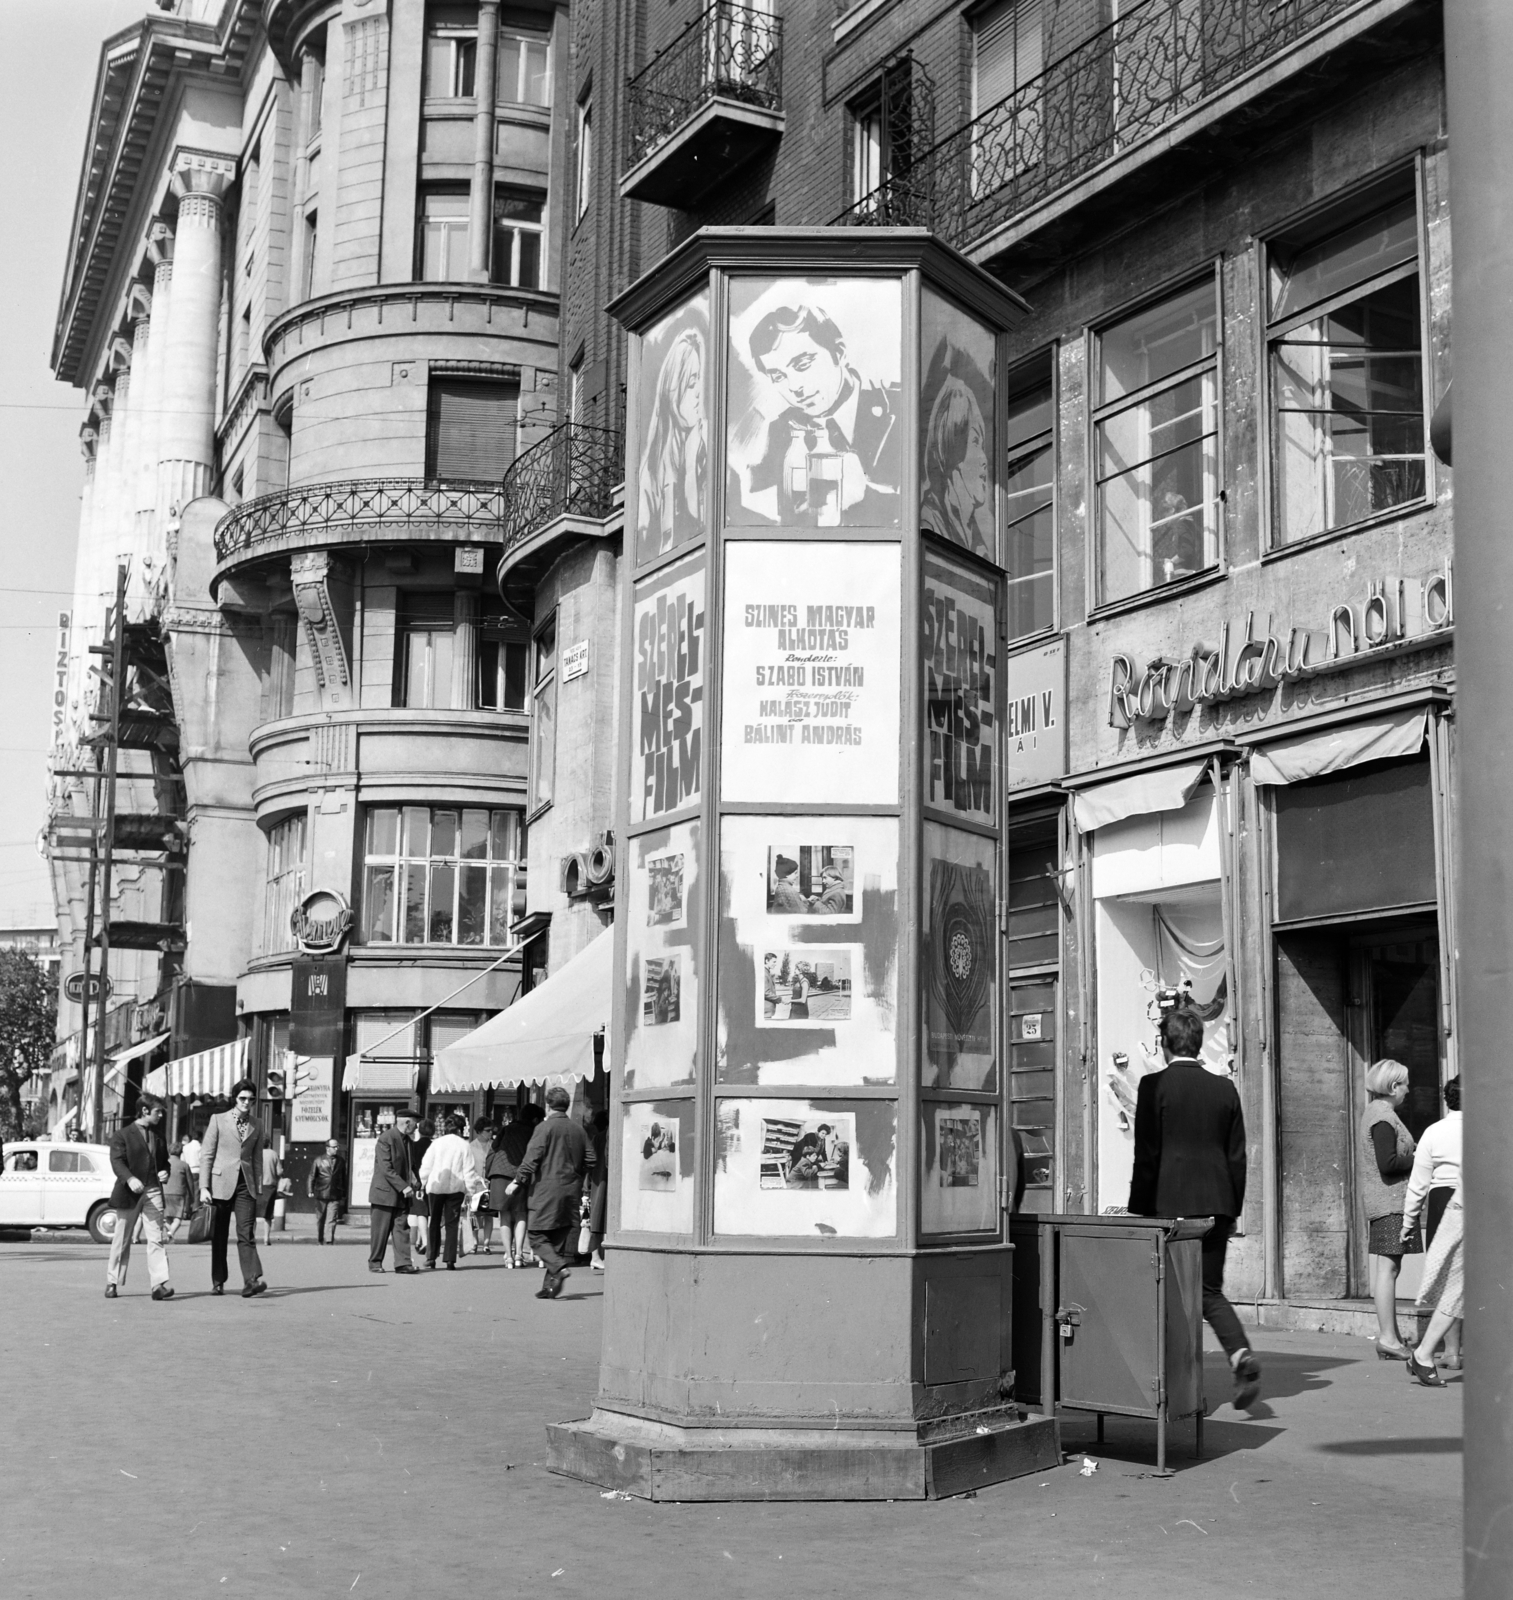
{"points": [[1383, 1161], [513, 1135]]}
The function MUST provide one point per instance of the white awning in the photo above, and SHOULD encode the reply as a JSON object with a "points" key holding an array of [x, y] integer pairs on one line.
{"points": [[120, 1058], [546, 1037], [1333, 749], [1164, 789], [209, 1072]]}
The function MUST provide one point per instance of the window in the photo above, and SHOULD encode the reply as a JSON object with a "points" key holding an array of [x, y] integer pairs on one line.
{"points": [[544, 713], [284, 884], [438, 876], [21, 1161], [1347, 373], [317, 95], [503, 657], [575, 389], [424, 633], [443, 242], [524, 70], [585, 158], [1007, 60], [451, 52], [1030, 505], [69, 1161], [517, 237], [312, 234], [866, 150], [1156, 444], [470, 429]]}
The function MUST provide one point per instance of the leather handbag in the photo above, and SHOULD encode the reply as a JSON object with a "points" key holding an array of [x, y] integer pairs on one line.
{"points": [[201, 1223]]}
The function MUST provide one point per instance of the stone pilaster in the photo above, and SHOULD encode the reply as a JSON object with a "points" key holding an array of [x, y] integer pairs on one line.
{"points": [[481, 195], [464, 648]]}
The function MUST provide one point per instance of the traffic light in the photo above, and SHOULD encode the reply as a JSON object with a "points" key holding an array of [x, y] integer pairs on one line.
{"points": [[302, 1077], [275, 1086]]}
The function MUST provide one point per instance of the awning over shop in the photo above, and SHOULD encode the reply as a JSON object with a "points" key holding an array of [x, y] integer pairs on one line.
{"points": [[207, 1073], [122, 1058], [545, 1037], [1164, 789], [1333, 749]]}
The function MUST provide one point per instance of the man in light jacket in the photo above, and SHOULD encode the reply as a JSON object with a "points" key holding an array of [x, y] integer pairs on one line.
{"points": [[446, 1175], [555, 1162], [231, 1173]]}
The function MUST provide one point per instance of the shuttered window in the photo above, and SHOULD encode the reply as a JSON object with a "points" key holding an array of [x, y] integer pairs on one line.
{"points": [[1007, 51], [470, 428]]}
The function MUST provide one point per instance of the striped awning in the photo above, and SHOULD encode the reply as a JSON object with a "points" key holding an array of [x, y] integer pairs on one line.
{"points": [[121, 1058], [210, 1072]]}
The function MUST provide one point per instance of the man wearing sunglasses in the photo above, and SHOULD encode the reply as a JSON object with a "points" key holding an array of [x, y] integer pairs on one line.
{"points": [[231, 1173]]}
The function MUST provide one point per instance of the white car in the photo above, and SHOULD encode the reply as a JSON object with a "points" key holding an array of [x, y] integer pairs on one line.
{"points": [[44, 1185]]}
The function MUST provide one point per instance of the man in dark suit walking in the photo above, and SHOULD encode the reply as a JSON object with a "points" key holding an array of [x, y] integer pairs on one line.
{"points": [[554, 1164], [389, 1194], [139, 1159], [1190, 1162]]}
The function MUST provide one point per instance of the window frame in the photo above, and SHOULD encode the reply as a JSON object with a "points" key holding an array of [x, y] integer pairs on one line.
{"points": [[405, 630], [1274, 546], [543, 685], [283, 888], [311, 221], [524, 38], [583, 158], [1100, 411], [516, 229], [462, 58], [1015, 386], [436, 191], [493, 632]]}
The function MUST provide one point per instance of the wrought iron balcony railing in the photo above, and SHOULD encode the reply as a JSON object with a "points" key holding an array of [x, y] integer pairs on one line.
{"points": [[1117, 88], [424, 509], [728, 52], [571, 472]]}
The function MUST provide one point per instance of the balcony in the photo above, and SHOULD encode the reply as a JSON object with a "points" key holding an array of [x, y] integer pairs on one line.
{"points": [[1170, 90], [704, 107], [562, 488], [359, 511]]}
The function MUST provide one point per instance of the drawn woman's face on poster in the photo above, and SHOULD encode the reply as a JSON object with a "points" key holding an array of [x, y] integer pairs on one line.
{"points": [[814, 402], [957, 427], [671, 480]]}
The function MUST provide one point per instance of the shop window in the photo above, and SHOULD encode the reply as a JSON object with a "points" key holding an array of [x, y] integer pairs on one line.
{"points": [[516, 256], [442, 246], [524, 69], [470, 429], [1157, 444], [451, 52], [1030, 503], [436, 875], [424, 638], [503, 659], [1347, 371], [544, 715], [284, 882]]}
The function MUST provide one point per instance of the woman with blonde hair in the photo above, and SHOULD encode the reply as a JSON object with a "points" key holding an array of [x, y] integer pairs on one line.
{"points": [[958, 483], [1384, 1160], [672, 465]]}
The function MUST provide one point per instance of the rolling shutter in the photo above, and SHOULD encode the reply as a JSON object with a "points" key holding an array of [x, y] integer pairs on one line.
{"points": [[470, 428], [1006, 51]]}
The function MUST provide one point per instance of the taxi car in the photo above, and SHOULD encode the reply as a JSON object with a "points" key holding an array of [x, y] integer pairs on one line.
{"points": [[46, 1185]]}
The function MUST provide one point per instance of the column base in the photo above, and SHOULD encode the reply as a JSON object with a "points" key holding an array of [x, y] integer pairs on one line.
{"points": [[658, 1461]]}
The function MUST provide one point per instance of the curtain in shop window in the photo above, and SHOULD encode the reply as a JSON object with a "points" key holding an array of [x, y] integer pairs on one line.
{"points": [[1190, 948]]}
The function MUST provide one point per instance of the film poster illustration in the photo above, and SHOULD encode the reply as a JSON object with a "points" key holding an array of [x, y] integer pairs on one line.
{"points": [[812, 1154], [662, 942], [668, 718], [673, 473], [960, 1189], [656, 1194], [812, 880], [665, 904], [957, 426], [959, 618], [960, 959], [661, 991], [816, 438], [811, 686], [806, 986]]}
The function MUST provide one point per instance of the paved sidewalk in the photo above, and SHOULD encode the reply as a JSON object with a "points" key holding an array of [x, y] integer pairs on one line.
{"points": [[350, 1434]]}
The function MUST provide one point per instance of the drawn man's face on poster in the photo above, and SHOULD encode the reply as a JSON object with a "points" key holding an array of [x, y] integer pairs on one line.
{"points": [[809, 375]]}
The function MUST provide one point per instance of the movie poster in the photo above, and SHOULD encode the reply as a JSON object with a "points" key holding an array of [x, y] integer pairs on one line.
{"points": [[663, 923], [672, 476], [815, 427], [960, 643], [668, 718], [959, 949], [959, 1167], [808, 950], [956, 420], [815, 1168], [662, 989], [811, 681], [666, 907], [656, 1166]]}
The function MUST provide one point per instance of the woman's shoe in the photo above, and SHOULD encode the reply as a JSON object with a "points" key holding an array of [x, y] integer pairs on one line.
{"points": [[1425, 1375], [1391, 1352], [217, 1288], [1454, 1363]]}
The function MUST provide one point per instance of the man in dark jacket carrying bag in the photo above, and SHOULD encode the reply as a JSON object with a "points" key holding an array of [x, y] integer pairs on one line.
{"points": [[389, 1195], [555, 1161], [1190, 1162]]}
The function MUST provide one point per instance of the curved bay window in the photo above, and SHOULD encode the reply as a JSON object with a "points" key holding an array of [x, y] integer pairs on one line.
{"points": [[439, 875]]}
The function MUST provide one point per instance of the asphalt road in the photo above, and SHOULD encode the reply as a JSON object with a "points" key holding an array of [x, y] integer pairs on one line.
{"points": [[350, 1434]]}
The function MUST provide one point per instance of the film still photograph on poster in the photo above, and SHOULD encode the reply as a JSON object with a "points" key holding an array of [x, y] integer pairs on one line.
{"points": [[672, 475], [957, 418], [815, 438], [959, 619], [795, 1167], [668, 719], [656, 1166], [808, 996], [812, 880], [959, 1192], [811, 673], [662, 921], [959, 942]]}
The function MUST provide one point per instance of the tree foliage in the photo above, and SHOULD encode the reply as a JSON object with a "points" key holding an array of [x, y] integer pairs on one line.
{"points": [[28, 1028]]}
